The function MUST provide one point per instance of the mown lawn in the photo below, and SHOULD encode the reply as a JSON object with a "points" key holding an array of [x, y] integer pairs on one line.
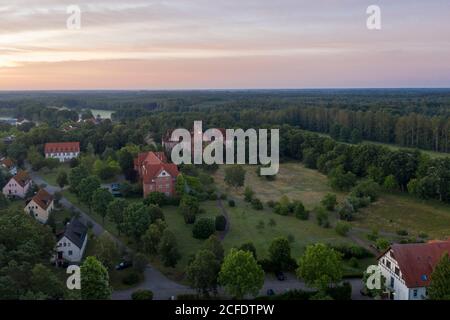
{"points": [[393, 212], [292, 180]]}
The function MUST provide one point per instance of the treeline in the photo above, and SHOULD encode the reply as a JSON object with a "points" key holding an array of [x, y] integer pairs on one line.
{"points": [[404, 170]]}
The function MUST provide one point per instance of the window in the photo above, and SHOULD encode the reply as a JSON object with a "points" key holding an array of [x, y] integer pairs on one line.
{"points": [[392, 282], [388, 264], [70, 252], [415, 293], [397, 271]]}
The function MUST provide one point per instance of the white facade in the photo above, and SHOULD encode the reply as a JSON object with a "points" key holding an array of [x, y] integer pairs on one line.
{"points": [[395, 283], [40, 214], [62, 156], [69, 251]]}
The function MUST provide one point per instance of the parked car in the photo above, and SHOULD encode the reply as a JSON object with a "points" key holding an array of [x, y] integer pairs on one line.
{"points": [[115, 187], [280, 276], [124, 265]]}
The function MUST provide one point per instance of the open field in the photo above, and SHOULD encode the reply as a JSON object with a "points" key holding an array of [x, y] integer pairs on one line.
{"points": [[293, 180], [393, 212]]}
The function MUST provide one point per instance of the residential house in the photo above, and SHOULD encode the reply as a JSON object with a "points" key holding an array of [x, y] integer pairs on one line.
{"points": [[407, 268], [63, 151], [40, 206], [17, 186], [8, 165], [72, 242], [156, 174]]}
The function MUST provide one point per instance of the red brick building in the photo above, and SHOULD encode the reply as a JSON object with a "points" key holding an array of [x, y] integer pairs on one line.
{"points": [[156, 173]]}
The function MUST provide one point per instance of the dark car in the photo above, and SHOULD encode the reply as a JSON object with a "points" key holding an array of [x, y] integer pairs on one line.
{"points": [[270, 292], [124, 265], [280, 276]]}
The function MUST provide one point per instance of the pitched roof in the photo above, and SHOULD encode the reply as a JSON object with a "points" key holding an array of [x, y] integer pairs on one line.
{"points": [[22, 178], [7, 162], [417, 260], [53, 147], [76, 232], [154, 163], [43, 199]]}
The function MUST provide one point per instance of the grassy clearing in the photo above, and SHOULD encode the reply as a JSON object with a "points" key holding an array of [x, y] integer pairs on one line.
{"points": [[293, 180], [246, 226], [50, 175], [395, 212]]}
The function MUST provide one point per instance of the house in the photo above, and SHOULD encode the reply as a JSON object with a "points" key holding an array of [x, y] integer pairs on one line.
{"points": [[17, 186], [63, 151], [156, 173], [40, 206], [72, 242], [407, 268], [9, 166]]}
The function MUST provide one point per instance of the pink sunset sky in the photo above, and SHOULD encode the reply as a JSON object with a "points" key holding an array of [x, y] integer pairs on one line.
{"points": [[212, 44]]}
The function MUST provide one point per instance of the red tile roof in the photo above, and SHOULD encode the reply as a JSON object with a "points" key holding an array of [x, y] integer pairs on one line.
{"points": [[22, 178], [154, 163], [43, 199], [53, 147], [417, 261]]}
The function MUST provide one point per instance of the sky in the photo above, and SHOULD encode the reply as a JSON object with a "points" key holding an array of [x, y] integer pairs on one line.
{"points": [[223, 44]]}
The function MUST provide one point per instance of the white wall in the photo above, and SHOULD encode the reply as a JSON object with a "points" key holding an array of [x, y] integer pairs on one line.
{"points": [[77, 253], [62, 156]]}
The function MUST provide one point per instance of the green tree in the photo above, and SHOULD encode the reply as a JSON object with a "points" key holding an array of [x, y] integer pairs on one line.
{"points": [[240, 274], [94, 280], [151, 239], [203, 228], [62, 179], [168, 249], [203, 271], [329, 201], [136, 220], [86, 190], [101, 198], [214, 245], [342, 228], [300, 211], [235, 175], [115, 212], [391, 184], [156, 198], [125, 159], [320, 266], [248, 194], [106, 251], [44, 281], [340, 180], [280, 254], [75, 176], [250, 247], [440, 280]]}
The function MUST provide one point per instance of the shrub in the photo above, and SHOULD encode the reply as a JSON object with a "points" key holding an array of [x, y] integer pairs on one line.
{"points": [[271, 204], [352, 251], [189, 217], [223, 196], [257, 204], [231, 203], [402, 232], [373, 236], [131, 278], [272, 222], [157, 198], [423, 235], [353, 262], [322, 217], [220, 223], [300, 211], [142, 295], [366, 188], [213, 196], [382, 244], [248, 194], [342, 228], [203, 228], [329, 201]]}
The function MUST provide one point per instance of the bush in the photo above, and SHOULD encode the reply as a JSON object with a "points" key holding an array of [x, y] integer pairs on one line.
{"points": [[342, 228], [329, 201], [300, 212], [322, 217], [353, 262], [366, 188], [352, 251], [271, 204], [248, 194], [231, 203], [373, 236], [423, 235], [131, 278], [341, 292], [223, 196], [212, 196], [220, 223], [402, 233], [142, 295], [382, 244], [156, 198], [203, 228], [257, 204]]}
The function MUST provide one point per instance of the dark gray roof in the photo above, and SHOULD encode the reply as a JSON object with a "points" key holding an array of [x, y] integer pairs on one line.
{"points": [[76, 232]]}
